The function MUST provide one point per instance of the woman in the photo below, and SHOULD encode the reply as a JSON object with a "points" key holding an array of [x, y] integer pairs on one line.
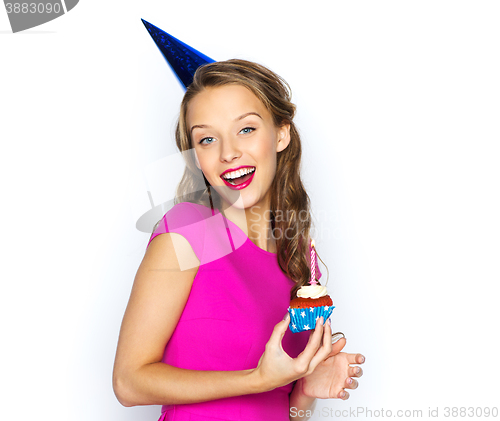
{"points": [[197, 336]]}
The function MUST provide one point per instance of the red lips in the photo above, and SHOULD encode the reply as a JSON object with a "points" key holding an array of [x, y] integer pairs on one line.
{"points": [[237, 168], [247, 178]]}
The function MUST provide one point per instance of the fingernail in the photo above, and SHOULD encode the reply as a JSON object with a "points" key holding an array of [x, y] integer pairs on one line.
{"points": [[358, 370], [287, 315], [362, 359], [342, 394], [337, 337], [349, 381], [329, 321]]}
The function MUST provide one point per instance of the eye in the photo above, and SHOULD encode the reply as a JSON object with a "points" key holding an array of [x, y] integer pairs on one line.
{"points": [[247, 130], [206, 138]]}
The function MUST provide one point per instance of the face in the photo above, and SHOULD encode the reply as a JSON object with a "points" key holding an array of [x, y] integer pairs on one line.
{"points": [[232, 130]]}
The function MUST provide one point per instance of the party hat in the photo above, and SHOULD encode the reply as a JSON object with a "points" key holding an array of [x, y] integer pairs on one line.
{"points": [[183, 59]]}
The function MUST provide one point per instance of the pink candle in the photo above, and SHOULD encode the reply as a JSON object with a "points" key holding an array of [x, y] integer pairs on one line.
{"points": [[313, 264]]}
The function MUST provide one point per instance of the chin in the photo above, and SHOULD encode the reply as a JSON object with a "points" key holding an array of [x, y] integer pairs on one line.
{"points": [[239, 201]]}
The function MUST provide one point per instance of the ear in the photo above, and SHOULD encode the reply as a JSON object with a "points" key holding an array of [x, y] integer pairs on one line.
{"points": [[283, 137]]}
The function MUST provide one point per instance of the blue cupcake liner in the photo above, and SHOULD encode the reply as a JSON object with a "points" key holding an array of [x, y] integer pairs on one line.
{"points": [[302, 319]]}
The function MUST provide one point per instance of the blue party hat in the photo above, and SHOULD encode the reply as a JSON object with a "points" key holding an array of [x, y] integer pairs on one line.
{"points": [[183, 59]]}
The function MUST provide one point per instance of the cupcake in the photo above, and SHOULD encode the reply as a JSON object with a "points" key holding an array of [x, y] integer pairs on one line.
{"points": [[312, 302]]}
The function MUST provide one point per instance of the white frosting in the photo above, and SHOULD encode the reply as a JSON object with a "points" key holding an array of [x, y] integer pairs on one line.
{"points": [[312, 291]]}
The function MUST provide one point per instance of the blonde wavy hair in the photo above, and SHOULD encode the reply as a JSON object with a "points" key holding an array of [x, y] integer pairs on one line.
{"points": [[287, 189]]}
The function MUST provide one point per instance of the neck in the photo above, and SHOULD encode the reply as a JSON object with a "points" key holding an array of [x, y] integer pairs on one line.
{"points": [[255, 222]]}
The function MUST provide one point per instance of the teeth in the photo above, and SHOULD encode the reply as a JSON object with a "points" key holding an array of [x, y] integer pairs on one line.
{"points": [[235, 174]]}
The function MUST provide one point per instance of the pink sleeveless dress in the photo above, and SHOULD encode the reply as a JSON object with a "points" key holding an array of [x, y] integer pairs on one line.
{"points": [[238, 295]]}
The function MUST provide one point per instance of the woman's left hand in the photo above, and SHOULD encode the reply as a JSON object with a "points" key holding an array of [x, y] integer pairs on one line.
{"points": [[332, 376]]}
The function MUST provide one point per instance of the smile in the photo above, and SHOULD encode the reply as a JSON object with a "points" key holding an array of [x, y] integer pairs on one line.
{"points": [[238, 178]]}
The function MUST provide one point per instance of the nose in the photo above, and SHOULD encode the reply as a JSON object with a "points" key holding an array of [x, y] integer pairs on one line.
{"points": [[229, 150]]}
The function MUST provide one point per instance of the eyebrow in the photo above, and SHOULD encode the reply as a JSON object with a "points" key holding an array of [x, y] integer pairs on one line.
{"points": [[241, 117]]}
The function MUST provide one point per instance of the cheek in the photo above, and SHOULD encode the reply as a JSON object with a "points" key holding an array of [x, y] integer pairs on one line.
{"points": [[205, 159], [269, 161], [266, 147], [196, 159]]}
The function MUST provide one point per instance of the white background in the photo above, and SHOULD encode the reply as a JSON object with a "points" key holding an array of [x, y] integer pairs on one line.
{"points": [[398, 106]]}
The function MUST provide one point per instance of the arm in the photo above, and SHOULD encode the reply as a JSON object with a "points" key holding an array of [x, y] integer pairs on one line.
{"points": [[329, 380], [334, 375], [300, 403], [158, 297]]}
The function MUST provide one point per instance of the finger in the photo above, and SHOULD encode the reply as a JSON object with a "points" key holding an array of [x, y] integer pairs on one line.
{"points": [[337, 336], [283, 326], [355, 358], [338, 343], [279, 331], [351, 383], [328, 327], [325, 350], [355, 372], [313, 344], [316, 334], [327, 330], [344, 395]]}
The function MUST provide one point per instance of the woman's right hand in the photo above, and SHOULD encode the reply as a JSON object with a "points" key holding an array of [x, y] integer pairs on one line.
{"points": [[276, 368]]}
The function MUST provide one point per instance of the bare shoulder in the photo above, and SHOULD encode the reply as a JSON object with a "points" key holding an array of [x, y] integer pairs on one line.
{"points": [[159, 294], [171, 251]]}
